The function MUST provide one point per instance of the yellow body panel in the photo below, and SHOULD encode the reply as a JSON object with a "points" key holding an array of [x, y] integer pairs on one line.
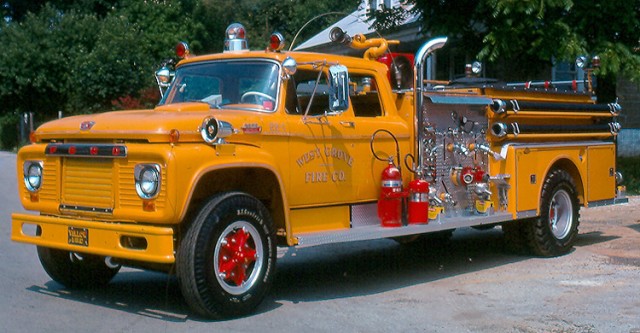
{"points": [[309, 171], [601, 182], [319, 219], [103, 238]]}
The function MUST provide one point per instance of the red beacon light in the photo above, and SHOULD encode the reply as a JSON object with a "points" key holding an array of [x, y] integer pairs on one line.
{"points": [[276, 42], [235, 38], [182, 50]]}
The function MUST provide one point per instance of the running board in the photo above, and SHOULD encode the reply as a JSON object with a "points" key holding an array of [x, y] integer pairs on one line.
{"points": [[369, 232]]}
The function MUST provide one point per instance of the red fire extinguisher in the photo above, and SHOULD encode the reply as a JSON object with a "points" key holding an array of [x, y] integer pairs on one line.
{"points": [[391, 197], [418, 201]]}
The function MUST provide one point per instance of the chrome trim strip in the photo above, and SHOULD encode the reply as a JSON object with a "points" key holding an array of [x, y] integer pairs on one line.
{"points": [[526, 214], [86, 209]]}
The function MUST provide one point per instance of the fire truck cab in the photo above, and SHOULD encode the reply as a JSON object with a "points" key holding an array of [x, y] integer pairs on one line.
{"points": [[253, 150]]}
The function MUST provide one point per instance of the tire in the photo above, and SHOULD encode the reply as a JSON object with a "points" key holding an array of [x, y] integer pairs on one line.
{"points": [[555, 231], [217, 277], [76, 270]]}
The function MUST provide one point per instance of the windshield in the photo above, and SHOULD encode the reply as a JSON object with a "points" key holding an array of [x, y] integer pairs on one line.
{"points": [[250, 85]]}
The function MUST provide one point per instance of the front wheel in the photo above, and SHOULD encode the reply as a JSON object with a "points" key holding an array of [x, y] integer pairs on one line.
{"points": [[555, 231], [226, 261]]}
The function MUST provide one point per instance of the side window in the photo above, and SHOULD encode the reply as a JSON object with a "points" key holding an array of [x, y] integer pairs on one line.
{"points": [[305, 83], [364, 96]]}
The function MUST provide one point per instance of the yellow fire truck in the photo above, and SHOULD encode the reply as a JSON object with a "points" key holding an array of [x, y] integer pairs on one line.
{"points": [[249, 151]]}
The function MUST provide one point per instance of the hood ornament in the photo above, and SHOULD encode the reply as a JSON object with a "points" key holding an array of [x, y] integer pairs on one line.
{"points": [[86, 125]]}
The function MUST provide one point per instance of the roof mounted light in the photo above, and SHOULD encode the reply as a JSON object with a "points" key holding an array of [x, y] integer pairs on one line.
{"points": [[182, 50], [476, 68], [276, 42], [235, 38]]}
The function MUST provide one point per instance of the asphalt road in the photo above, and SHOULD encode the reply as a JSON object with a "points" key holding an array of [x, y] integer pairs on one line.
{"points": [[469, 285]]}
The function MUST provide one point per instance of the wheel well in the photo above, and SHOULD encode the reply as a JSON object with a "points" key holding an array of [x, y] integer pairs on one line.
{"points": [[260, 183], [568, 166]]}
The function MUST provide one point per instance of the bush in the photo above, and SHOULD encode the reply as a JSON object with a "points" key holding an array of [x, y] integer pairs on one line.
{"points": [[9, 131], [630, 173]]}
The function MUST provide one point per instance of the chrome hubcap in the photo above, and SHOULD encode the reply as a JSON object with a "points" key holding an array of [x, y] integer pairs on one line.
{"points": [[561, 214]]}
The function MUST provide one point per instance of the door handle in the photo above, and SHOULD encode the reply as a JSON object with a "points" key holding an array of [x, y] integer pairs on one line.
{"points": [[348, 124]]}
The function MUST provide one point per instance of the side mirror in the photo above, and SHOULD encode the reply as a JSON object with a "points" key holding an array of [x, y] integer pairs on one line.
{"points": [[289, 67], [338, 88], [164, 76]]}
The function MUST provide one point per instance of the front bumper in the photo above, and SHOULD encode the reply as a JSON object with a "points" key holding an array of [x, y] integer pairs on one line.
{"points": [[103, 238]]}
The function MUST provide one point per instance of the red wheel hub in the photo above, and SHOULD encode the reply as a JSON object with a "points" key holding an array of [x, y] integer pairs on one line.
{"points": [[237, 255]]}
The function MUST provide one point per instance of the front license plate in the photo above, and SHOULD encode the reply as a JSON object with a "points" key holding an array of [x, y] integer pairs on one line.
{"points": [[79, 236]]}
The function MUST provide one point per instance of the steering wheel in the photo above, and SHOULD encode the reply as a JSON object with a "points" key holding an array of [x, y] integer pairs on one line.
{"points": [[256, 94]]}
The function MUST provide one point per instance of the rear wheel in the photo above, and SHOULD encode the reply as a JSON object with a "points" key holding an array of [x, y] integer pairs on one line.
{"points": [[76, 270], [555, 231], [227, 258]]}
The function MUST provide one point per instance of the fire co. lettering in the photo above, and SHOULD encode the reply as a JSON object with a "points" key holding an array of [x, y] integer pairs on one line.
{"points": [[333, 152], [324, 177]]}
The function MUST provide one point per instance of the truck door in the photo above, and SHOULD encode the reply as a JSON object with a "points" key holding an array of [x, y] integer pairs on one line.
{"points": [[321, 167], [332, 163]]}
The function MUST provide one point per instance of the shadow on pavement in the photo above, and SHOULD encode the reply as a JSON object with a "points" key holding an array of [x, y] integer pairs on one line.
{"points": [[319, 273]]}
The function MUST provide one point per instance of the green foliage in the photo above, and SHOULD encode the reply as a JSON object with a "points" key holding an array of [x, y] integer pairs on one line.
{"points": [[78, 61], [532, 32], [261, 18], [628, 166], [81, 56]]}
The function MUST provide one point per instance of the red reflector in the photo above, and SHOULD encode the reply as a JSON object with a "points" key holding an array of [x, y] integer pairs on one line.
{"points": [[72, 150], [53, 149], [93, 150], [149, 206], [115, 151], [32, 137], [174, 136]]}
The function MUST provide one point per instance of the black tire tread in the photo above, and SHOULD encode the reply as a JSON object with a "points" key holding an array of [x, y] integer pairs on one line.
{"points": [[91, 272], [538, 234], [193, 281]]}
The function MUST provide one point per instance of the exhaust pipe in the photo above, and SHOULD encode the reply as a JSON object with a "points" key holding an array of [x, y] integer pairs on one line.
{"points": [[111, 262], [418, 87]]}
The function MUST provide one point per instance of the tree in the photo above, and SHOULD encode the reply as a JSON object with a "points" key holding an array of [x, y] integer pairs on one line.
{"points": [[79, 61], [532, 32], [261, 18]]}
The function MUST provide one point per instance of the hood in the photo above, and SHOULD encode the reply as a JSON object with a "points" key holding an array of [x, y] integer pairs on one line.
{"points": [[147, 125]]}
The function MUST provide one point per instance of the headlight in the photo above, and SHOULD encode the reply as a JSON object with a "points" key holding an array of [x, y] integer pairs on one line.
{"points": [[32, 171], [148, 180]]}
